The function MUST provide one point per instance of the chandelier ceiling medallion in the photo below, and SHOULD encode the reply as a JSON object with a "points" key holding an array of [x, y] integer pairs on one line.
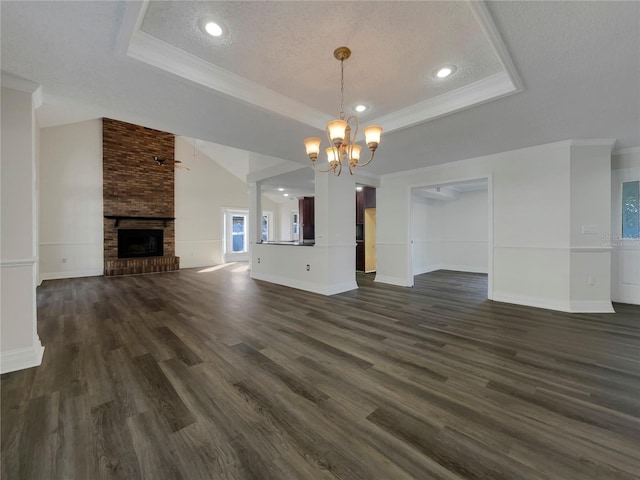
{"points": [[342, 135]]}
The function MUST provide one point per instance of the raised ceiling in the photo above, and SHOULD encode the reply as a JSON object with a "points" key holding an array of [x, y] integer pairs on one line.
{"points": [[578, 62], [279, 55]]}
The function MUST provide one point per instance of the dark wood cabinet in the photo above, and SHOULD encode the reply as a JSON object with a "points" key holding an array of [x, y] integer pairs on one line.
{"points": [[306, 213], [360, 256], [365, 199], [369, 197], [360, 207]]}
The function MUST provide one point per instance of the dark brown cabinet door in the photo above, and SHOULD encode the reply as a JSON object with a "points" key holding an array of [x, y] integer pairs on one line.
{"points": [[365, 199], [306, 211], [369, 197], [360, 207], [360, 256]]}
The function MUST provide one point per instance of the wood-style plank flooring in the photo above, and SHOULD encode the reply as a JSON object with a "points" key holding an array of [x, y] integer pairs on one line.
{"points": [[213, 375]]}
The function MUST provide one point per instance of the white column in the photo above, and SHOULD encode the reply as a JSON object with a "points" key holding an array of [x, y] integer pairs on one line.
{"points": [[590, 226], [335, 218], [20, 345], [255, 219]]}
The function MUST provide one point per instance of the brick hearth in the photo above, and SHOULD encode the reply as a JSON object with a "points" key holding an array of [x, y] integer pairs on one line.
{"points": [[135, 186]]}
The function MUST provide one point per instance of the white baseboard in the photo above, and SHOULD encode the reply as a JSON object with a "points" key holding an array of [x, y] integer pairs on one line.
{"points": [[423, 270], [307, 286], [455, 268], [589, 306], [89, 272], [464, 268], [629, 301], [549, 304], [21, 358], [399, 281], [582, 306]]}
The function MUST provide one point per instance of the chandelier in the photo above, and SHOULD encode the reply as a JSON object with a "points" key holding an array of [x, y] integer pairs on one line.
{"points": [[342, 135]]}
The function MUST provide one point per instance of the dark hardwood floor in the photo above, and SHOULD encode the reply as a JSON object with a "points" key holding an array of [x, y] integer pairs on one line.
{"points": [[213, 375]]}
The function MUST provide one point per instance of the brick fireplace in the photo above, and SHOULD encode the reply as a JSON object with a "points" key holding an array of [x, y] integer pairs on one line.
{"points": [[138, 198]]}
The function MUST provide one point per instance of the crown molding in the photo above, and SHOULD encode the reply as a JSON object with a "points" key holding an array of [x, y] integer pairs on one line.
{"points": [[138, 45], [626, 151], [594, 142], [483, 17], [9, 80], [133, 44], [490, 88]]}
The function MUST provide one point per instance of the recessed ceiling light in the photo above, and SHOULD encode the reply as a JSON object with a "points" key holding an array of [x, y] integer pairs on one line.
{"points": [[286, 194], [358, 189], [281, 189], [445, 72], [213, 29], [360, 108]]}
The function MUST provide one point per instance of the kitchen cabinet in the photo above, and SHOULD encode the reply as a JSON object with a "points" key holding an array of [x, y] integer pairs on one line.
{"points": [[306, 213], [366, 223], [360, 256], [360, 207], [369, 197]]}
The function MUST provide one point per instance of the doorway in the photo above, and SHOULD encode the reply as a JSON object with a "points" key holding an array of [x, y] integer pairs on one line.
{"points": [[451, 228]]}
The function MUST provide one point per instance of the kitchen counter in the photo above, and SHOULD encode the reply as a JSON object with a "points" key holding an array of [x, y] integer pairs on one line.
{"points": [[307, 243]]}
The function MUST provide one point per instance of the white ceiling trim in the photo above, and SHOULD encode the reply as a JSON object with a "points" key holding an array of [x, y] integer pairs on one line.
{"points": [[493, 87], [490, 88], [9, 80], [138, 45], [482, 15], [148, 49]]}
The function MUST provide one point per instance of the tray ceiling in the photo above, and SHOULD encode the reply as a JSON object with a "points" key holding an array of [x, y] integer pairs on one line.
{"points": [[279, 55]]}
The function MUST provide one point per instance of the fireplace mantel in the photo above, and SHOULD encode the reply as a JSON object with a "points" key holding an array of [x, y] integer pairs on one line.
{"points": [[117, 218]]}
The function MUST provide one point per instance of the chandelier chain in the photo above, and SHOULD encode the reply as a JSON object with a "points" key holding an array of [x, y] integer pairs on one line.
{"points": [[341, 88]]}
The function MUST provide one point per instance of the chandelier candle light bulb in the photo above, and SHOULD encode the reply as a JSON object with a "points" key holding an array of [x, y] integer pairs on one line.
{"points": [[342, 135]]}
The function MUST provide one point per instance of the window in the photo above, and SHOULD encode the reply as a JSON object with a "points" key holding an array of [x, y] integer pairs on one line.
{"points": [[630, 209], [294, 225], [238, 234], [265, 228]]}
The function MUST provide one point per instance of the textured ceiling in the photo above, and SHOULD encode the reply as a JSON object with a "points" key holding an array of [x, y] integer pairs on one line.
{"points": [[288, 47], [579, 63]]}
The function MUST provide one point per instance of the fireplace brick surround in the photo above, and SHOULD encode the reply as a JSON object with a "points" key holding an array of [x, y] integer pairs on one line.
{"points": [[135, 186]]}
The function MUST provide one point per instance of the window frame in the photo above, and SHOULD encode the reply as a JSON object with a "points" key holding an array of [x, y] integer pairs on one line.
{"points": [[228, 254]]}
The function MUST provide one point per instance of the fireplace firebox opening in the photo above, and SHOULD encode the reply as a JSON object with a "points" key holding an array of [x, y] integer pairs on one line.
{"points": [[134, 243]]}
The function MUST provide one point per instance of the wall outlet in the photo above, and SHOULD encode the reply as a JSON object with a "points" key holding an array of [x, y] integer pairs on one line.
{"points": [[308, 267], [64, 260], [258, 259]]}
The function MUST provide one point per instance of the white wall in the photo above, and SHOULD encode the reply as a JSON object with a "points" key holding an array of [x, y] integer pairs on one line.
{"points": [[71, 208], [625, 254], [20, 346], [285, 233], [531, 218], [328, 266], [450, 234], [201, 196]]}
